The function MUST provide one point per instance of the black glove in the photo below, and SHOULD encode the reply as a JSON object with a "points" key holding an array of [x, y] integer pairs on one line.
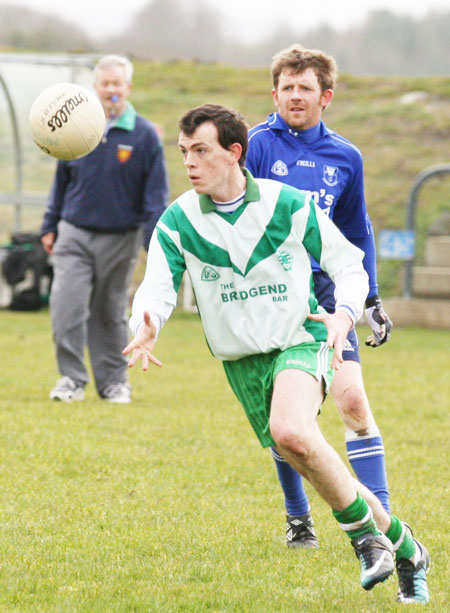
{"points": [[379, 322]]}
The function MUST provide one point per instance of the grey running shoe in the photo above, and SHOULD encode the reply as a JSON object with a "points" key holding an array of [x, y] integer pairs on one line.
{"points": [[300, 531], [412, 580], [117, 392], [67, 390], [376, 555]]}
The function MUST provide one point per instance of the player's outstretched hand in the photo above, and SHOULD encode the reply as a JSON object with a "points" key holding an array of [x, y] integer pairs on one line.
{"points": [[379, 322], [142, 345], [338, 326]]}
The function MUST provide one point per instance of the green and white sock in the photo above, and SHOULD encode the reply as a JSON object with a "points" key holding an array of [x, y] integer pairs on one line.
{"points": [[357, 518], [400, 537]]}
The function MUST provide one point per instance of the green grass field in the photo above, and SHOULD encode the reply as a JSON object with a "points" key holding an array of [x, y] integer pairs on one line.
{"points": [[169, 504]]}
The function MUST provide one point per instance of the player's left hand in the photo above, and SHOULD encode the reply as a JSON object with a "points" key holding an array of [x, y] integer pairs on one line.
{"points": [[379, 322], [338, 325]]}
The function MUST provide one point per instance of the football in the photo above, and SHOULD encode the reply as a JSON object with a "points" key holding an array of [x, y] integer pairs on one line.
{"points": [[67, 121]]}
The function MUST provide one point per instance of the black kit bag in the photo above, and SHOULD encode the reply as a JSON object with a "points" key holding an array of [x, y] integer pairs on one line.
{"points": [[26, 254]]}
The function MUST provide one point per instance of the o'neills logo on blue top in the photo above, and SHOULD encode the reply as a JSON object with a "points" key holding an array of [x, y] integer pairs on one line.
{"points": [[279, 168], [263, 290]]}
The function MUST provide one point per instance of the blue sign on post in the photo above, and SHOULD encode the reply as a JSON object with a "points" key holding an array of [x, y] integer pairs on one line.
{"points": [[396, 244]]}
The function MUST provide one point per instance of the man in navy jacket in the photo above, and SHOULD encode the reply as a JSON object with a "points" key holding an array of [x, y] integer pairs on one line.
{"points": [[102, 208]]}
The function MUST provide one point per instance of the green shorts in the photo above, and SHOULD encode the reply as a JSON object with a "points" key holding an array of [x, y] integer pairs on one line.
{"points": [[251, 378]]}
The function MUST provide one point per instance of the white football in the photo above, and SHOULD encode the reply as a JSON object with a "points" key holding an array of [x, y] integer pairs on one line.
{"points": [[67, 121]]}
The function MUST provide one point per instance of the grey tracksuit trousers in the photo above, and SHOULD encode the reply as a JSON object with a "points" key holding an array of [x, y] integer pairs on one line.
{"points": [[92, 273]]}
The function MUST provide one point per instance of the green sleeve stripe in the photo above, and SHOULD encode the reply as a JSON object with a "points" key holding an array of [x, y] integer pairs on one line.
{"points": [[316, 328], [174, 258], [312, 238], [169, 217], [279, 227], [312, 300]]}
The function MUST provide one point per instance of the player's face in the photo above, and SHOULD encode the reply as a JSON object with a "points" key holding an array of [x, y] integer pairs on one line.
{"points": [[112, 89], [299, 98], [208, 164]]}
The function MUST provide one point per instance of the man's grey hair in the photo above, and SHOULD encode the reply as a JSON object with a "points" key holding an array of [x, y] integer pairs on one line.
{"points": [[111, 61]]}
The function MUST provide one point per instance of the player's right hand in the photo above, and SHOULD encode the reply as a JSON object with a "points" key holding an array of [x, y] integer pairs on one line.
{"points": [[142, 345], [338, 325]]}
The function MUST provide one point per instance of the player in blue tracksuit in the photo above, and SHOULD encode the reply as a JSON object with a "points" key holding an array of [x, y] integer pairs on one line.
{"points": [[294, 146]]}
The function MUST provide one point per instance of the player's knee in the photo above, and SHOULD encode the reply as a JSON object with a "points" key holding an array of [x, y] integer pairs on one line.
{"points": [[291, 441], [354, 405]]}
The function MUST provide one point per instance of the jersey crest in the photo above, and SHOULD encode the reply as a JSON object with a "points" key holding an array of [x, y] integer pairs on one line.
{"points": [[279, 168], [124, 153], [209, 274], [285, 258], [330, 175]]}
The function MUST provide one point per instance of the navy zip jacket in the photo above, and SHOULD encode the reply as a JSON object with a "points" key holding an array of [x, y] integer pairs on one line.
{"points": [[121, 185]]}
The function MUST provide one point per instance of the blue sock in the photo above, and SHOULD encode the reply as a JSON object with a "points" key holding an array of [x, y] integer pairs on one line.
{"points": [[366, 455], [295, 498]]}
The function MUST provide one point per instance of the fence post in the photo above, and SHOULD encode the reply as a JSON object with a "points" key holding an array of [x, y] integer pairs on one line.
{"points": [[411, 206]]}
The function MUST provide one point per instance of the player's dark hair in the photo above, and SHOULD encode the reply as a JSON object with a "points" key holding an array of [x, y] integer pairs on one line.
{"points": [[296, 59], [230, 125]]}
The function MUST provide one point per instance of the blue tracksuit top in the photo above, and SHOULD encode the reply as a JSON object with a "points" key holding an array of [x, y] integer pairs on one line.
{"points": [[327, 166], [121, 185]]}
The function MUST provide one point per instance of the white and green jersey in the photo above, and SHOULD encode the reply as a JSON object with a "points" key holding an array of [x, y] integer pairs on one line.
{"points": [[250, 269]]}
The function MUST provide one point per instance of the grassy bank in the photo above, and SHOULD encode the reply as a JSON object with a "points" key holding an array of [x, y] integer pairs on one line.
{"points": [[398, 138]]}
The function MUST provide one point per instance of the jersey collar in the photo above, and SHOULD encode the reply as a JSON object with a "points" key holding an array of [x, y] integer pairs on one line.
{"points": [[276, 122], [251, 194], [127, 121]]}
